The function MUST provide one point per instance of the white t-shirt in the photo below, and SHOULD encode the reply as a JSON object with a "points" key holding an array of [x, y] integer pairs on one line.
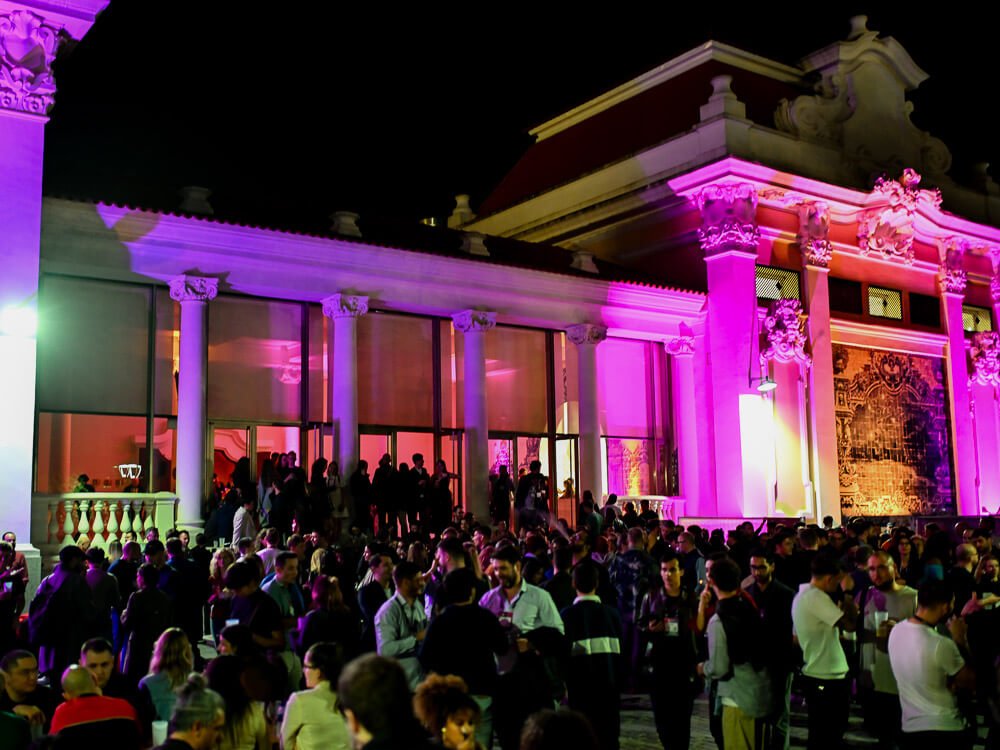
{"points": [[893, 605], [922, 661], [814, 618]]}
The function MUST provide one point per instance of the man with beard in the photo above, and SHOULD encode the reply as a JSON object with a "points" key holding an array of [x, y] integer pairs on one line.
{"points": [[886, 603], [534, 627]]}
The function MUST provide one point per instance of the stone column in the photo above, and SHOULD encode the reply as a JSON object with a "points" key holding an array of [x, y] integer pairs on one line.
{"points": [[686, 415], [587, 338], [193, 293], [473, 325], [952, 280], [344, 310], [729, 237], [30, 36], [814, 244], [984, 383]]}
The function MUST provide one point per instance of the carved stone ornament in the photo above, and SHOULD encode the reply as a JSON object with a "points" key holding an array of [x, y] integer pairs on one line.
{"points": [[952, 277], [193, 288], [27, 47], [728, 218], [681, 346], [345, 306], [984, 359], [994, 253], [585, 333], [887, 227], [783, 331], [819, 117], [814, 234], [468, 321]]}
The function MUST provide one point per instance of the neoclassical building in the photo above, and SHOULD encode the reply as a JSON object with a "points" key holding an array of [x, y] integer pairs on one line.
{"points": [[735, 286]]}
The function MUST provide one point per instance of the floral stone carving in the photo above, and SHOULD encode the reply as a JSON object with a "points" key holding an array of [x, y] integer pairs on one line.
{"points": [[27, 47], [952, 276], [728, 218], [984, 359], [814, 234], [783, 331], [887, 228]]}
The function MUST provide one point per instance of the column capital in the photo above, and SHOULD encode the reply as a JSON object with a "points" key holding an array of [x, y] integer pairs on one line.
{"points": [[952, 277], [681, 346], [728, 218], [814, 234], [468, 321], [193, 288], [28, 45], [586, 333], [984, 359], [345, 306], [786, 341]]}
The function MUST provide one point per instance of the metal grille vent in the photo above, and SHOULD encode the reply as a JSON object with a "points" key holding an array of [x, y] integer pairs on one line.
{"points": [[885, 303], [777, 283]]}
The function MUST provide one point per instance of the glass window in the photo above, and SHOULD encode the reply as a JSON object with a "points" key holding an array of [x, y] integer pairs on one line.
{"points": [[168, 338], [629, 466], [319, 389], [452, 376], [97, 445], [567, 386], [623, 380], [164, 453], [515, 380], [395, 370], [93, 346], [254, 359]]}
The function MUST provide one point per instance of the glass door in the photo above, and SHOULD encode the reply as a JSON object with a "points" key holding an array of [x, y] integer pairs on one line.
{"points": [[567, 477], [450, 451], [230, 448]]}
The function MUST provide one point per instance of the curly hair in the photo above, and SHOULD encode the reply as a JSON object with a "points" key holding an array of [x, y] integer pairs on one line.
{"points": [[440, 697]]}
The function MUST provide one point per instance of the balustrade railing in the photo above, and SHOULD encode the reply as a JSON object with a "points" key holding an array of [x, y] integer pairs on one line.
{"points": [[100, 517]]}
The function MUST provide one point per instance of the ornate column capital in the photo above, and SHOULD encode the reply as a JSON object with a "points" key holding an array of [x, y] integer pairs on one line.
{"points": [[952, 277], [28, 45], [728, 218], [786, 341], [193, 288], [345, 306], [814, 234], [468, 321], [681, 346], [586, 333], [984, 359]]}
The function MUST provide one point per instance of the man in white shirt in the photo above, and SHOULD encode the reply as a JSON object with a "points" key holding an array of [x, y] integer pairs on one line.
{"points": [[927, 665], [244, 526], [817, 621]]}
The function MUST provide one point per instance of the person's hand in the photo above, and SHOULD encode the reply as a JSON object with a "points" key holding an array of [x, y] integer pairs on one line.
{"points": [[657, 626], [421, 635], [33, 714], [958, 630], [700, 669], [522, 645], [847, 585], [706, 597]]}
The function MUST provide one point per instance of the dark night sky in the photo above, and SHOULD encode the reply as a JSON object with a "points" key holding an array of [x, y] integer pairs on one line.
{"points": [[290, 111]]}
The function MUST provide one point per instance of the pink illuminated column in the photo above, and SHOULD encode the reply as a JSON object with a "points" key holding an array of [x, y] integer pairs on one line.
{"points": [[474, 325], [587, 338], [193, 293], [690, 463], [984, 383], [952, 280], [814, 244], [729, 236], [30, 36], [345, 309]]}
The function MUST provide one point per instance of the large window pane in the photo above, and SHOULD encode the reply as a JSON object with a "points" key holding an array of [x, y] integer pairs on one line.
{"points": [[254, 359], [92, 346], [164, 455], [452, 375], [515, 380], [93, 444], [567, 386], [168, 325], [623, 377], [395, 370], [319, 391]]}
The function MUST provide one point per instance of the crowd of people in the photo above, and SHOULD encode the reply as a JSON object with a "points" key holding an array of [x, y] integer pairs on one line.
{"points": [[331, 619]]}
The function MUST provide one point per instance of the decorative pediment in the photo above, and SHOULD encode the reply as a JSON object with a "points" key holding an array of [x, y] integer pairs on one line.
{"points": [[984, 359], [784, 334], [886, 228]]}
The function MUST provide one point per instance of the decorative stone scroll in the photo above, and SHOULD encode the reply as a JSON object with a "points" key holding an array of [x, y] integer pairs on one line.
{"points": [[585, 333], [681, 346], [193, 288], [345, 306], [474, 320], [887, 228], [814, 234], [952, 276], [783, 330], [994, 253], [728, 218], [984, 359], [27, 47]]}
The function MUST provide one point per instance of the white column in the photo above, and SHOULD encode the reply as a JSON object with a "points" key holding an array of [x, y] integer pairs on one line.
{"points": [[474, 324], [193, 293], [587, 337], [344, 310]]}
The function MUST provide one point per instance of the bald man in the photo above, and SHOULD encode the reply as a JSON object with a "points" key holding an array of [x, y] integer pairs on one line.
{"points": [[87, 716]]}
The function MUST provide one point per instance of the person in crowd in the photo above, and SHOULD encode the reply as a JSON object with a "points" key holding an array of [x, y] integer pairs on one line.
{"points": [[237, 640], [22, 695], [501, 492], [340, 509], [440, 497], [246, 726], [254, 608], [818, 620], [736, 659], [692, 561], [448, 712], [329, 620], [906, 559], [631, 574], [311, 721], [560, 585], [272, 548], [244, 525], [89, 718], [13, 573], [125, 568], [556, 730], [962, 577], [374, 696], [191, 591], [360, 486], [198, 720], [385, 488], [172, 662], [15, 732], [928, 667], [373, 595], [284, 590], [98, 656], [531, 500], [401, 623], [594, 673], [147, 614]]}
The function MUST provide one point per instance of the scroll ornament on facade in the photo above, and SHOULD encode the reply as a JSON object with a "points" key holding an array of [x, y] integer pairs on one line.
{"points": [[728, 218], [474, 320], [783, 331], [585, 333], [984, 358], [952, 275], [994, 253], [345, 306], [193, 288], [887, 228], [681, 346], [27, 47], [814, 234]]}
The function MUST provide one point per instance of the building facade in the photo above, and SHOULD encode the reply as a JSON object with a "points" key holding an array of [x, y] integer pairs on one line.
{"points": [[742, 288]]}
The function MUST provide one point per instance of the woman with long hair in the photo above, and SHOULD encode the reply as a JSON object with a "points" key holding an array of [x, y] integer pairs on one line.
{"points": [[329, 619], [246, 726], [172, 662], [220, 600], [908, 564], [311, 720]]}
